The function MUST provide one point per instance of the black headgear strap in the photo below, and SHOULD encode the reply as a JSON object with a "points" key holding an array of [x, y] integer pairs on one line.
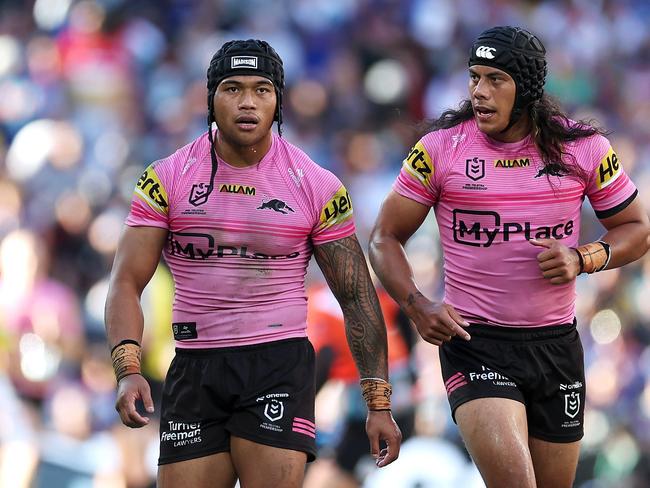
{"points": [[243, 57], [520, 54]]}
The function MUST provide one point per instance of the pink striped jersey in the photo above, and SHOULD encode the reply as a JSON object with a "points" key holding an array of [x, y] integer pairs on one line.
{"points": [[489, 199], [239, 257]]}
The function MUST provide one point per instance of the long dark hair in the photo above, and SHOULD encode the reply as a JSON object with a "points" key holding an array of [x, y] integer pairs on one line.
{"points": [[550, 127]]}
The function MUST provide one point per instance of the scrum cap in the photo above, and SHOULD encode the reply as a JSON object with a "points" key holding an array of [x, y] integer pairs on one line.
{"points": [[520, 54], [249, 57]]}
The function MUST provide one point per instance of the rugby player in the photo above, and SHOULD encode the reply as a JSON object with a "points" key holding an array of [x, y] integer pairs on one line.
{"points": [[506, 175], [238, 213]]}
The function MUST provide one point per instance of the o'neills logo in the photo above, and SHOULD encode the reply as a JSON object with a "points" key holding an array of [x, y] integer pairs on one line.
{"points": [[243, 62], [181, 433]]}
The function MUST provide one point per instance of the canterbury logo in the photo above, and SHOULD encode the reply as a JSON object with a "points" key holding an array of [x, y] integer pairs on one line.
{"points": [[485, 52]]}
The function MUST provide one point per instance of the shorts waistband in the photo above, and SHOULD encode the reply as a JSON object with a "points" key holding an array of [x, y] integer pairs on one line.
{"points": [[209, 351], [520, 333]]}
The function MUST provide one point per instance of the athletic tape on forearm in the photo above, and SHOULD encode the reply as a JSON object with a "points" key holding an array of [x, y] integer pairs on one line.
{"points": [[126, 358], [376, 392], [594, 256]]}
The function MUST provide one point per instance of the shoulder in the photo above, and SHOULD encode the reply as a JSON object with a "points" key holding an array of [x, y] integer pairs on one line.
{"points": [[590, 146], [303, 170], [444, 140], [180, 160]]}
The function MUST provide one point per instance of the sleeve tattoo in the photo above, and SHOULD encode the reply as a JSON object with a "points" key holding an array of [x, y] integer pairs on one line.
{"points": [[344, 266]]}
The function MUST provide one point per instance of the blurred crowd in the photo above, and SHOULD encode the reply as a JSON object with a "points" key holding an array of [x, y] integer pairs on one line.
{"points": [[92, 91]]}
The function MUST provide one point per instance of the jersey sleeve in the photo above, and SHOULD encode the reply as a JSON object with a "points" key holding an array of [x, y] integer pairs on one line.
{"points": [[150, 201], [609, 188], [334, 208], [416, 179]]}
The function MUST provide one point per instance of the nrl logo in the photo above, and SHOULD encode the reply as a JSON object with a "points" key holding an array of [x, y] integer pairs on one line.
{"points": [[274, 410], [199, 194], [572, 404]]}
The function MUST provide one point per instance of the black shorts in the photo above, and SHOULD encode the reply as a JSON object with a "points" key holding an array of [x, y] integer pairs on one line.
{"points": [[541, 367], [263, 393]]}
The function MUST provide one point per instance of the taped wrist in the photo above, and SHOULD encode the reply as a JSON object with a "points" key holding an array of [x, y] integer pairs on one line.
{"points": [[594, 256], [126, 358], [376, 392]]}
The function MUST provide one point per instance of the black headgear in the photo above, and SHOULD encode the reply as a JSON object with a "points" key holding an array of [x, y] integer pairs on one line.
{"points": [[249, 57], [520, 54]]}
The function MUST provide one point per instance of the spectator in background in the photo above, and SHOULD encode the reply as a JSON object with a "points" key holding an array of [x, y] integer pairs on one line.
{"points": [[41, 316], [74, 137], [334, 362], [507, 174], [239, 213]]}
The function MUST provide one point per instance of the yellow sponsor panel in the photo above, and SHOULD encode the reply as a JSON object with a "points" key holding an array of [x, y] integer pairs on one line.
{"points": [[608, 170], [338, 209], [418, 163], [150, 190]]}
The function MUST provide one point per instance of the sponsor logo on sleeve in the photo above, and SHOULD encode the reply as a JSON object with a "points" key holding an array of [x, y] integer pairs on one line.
{"points": [[151, 191], [418, 163], [608, 170], [337, 210]]}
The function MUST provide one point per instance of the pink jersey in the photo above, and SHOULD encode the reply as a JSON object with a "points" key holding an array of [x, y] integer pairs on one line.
{"points": [[489, 199], [239, 257]]}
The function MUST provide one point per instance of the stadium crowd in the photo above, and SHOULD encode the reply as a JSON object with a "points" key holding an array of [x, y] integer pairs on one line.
{"points": [[95, 90]]}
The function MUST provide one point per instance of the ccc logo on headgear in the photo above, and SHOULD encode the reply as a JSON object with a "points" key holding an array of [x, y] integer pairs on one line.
{"points": [[485, 52]]}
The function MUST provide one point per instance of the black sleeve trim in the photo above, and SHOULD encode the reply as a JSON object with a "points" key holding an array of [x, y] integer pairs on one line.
{"points": [[603, 214]]}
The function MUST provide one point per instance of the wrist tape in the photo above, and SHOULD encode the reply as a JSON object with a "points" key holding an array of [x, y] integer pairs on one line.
{"points": [[376, 392], [594, 256], [126, 358]]}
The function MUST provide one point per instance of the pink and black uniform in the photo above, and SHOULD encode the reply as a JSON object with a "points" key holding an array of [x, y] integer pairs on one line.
{"points": [[490, 198], [239, 258]]}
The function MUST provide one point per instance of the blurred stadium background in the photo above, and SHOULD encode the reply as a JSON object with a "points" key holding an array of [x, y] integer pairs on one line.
{"points": [[91, 91]]}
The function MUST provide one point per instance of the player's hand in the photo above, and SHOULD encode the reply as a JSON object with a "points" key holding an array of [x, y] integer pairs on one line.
{"points": [[559, 263], [130, 389], [436, 322], [380, 426]]}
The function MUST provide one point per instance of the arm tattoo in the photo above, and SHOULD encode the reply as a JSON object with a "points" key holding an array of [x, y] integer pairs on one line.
{"points": [[346, 272]]}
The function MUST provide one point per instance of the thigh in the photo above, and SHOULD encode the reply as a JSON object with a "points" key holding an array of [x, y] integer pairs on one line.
{"points": [[496, 436], [555, 463], [556, 400], [261, 466], [276, 407], [215, 471], [192, 420]]}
